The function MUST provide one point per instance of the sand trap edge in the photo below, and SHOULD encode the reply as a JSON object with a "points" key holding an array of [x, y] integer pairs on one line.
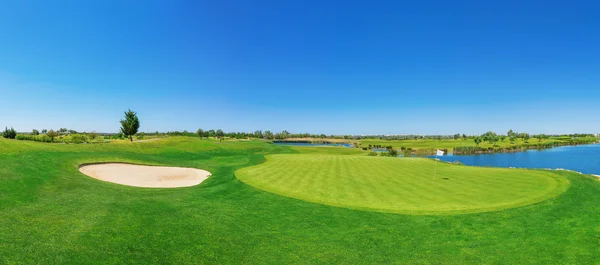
{"points": [[146, 175]]}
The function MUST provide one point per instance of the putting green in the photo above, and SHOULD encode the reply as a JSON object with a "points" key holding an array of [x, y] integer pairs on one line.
{"points": [[401, 185]]}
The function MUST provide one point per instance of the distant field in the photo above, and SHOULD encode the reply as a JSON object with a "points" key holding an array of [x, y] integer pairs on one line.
{"points": [[400, 185], [446, 143]]}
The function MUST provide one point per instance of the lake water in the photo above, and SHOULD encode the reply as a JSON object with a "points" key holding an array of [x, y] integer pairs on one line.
{"points": [[313, 144], [582, 158]]}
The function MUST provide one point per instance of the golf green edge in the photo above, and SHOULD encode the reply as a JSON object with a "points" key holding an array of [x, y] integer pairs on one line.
{"points": [[403, 186]]}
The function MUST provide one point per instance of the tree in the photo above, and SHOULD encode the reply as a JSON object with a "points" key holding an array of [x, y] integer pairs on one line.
{"points": [[526, 137], [457, 136], [258, 134], [63, 130], [493, 139], [211, 133], [130, 125], [93, 135], [510, 133], [268, 135], [477, 140], [44, 131], [35, 132], [512, 139], [220, 135], [52, 134], [539, 137], [9, 133], [72, 132], [464, 136], [200, 133]]}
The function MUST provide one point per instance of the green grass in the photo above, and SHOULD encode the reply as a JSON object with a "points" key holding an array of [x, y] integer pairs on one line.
{"points": [[448, 143], [50, 213], [401, 185]]}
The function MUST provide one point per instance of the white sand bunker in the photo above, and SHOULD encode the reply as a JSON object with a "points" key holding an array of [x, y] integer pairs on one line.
{"points": [[146, 176]]}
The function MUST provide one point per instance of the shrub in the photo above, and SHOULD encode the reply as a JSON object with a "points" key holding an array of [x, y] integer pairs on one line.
{"points": [[372, 153], [93, 135], [140, 136], [78, 138], [52, 134], [9, 133]]}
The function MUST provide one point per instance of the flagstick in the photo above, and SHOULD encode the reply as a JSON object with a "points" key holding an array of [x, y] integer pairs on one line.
{"points": [[435, 167]]}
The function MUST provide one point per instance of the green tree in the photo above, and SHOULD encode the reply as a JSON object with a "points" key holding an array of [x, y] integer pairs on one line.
{"points": [[457, 136], [493, 139], [464, 136], [93, 135], [539, 137], [35, 132], [211, 133], [268, 135], [52, 134], [512, 139], [477, 140], [526, 137], [220, 135], [200, 133], [130, 125], [510, 133], [258, 134], [9, 133], [44, 131], [63, 130]]}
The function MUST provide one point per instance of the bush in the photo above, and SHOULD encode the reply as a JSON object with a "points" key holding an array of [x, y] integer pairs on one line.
{"points": [[93, 135], [140, 136], [9, 133], [372, 153], [78, 138]]}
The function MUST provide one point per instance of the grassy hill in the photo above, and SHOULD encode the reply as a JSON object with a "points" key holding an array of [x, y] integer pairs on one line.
{"points": [[50, 213]]}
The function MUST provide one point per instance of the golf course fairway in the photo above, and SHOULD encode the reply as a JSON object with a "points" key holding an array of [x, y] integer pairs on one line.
{"points": [[401, 185], [51, 213]]}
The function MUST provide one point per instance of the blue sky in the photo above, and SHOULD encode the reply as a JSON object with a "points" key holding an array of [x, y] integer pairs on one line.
{"points": [[335, 67]]}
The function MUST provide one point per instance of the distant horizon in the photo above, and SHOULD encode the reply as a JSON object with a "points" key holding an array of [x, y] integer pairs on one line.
{"points": [[420, 68]]}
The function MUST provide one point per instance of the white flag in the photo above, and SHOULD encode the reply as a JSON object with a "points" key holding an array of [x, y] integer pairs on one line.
{"points": [[439, 153]]}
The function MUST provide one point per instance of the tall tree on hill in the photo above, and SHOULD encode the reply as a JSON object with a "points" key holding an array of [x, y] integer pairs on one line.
{"points": [[220, 135], [130, 125], [200, 133]]}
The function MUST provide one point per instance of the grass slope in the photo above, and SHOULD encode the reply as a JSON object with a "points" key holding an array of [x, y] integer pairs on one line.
{"points": [[401, 185], [52, 214], [447, 143]]}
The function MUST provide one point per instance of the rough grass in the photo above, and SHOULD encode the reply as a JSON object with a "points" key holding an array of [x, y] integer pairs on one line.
{"points": [[50, 213], [401, 185]]}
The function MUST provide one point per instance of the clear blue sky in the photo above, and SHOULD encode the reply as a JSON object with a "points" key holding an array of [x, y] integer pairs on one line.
{"points": [[355, 67]]}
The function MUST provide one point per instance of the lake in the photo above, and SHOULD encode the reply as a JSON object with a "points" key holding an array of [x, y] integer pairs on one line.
{"points": [[313, 144], [582, 158]]}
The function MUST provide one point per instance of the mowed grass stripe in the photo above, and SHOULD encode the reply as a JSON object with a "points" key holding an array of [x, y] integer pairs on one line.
{"points": [[401, 185]]}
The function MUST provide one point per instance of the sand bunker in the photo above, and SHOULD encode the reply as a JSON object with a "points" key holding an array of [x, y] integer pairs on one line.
{"points": [[146, 176]]}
